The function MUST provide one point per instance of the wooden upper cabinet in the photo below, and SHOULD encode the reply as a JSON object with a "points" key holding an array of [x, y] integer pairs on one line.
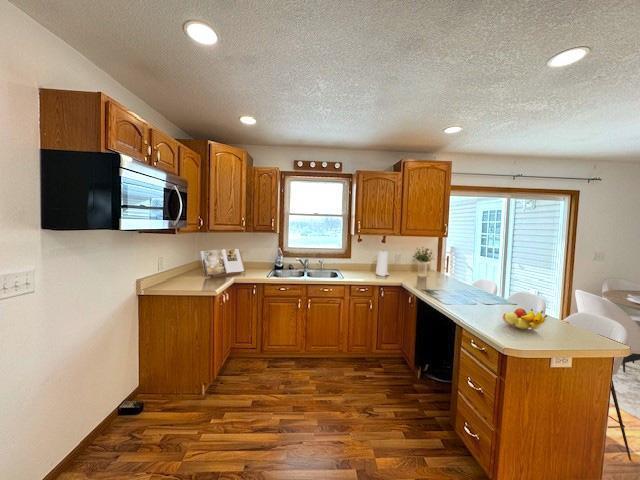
{"points": [[390, 327], [127, 133], [426, 186], [191, 170], [265, 199], [378, 202], [164, 151], [228, 172]]}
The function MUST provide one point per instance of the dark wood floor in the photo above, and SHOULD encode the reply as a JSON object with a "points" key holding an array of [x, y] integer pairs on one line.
{"points": [[284, 419]]}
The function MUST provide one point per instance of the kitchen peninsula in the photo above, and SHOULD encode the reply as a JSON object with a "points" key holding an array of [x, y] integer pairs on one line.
{"points": [[510, 388]]}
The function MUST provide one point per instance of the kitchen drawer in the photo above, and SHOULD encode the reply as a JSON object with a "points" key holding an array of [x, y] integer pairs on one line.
{"points": [[478, 385], [362, 291], [476, 435], [325, 291], [284, 290], [486, 355]]}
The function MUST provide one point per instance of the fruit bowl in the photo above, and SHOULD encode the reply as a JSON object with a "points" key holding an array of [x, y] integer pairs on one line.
{"points": [[524, 320]]}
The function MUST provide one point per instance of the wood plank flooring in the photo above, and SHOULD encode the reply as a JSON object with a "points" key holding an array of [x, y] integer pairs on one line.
{"points": [[299, 419]]}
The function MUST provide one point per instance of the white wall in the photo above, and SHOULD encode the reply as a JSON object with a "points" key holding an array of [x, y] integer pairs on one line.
{"points": [[69, 352], [262, 246], [607, 215]]}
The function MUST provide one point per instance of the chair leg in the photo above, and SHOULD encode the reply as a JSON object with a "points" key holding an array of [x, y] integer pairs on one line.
{"points": [[624, 435]]}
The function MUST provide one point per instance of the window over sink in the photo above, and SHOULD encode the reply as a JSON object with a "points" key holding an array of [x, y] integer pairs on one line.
{"points": [[316, 215]]}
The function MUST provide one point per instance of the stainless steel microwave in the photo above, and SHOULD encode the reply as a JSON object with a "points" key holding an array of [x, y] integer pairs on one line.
{"points": [[90, 190]]}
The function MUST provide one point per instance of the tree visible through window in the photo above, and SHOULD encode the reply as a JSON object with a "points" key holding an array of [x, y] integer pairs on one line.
{"points": [[316, 213]]}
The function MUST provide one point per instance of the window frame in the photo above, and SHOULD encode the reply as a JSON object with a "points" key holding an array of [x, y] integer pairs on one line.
{"points": [[315, 253]]}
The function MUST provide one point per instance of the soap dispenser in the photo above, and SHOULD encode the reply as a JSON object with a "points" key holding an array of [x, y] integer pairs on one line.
{"points": [[279, 264]]}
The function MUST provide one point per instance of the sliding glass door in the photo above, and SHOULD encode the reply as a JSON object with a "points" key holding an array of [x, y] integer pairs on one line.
{"points": [[516, 240]]}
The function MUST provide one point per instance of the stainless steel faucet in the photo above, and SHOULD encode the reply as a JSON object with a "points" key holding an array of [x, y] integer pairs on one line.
{"points": [[305, 263], [321, 262]]}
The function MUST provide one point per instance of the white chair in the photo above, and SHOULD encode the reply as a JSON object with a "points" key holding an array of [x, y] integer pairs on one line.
{"points": [[619, 284], [609, 328], [590, 303], [486, 285], [528, 301]]}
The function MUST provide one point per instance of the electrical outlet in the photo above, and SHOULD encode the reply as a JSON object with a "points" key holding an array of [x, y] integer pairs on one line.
{"points": [[160, 264], [598, 256], [18, 283]]}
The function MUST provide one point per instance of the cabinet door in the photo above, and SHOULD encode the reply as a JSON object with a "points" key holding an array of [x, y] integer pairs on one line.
{"points": [[409, 318], [361, 322], [425, 198], [245, 331], [164, 151], [127, 133], [325, 325], [265, 199], [378, 202], [191, 170], [217, 359], [282, 320], [228, 322], [389, 329], [227, 188]]}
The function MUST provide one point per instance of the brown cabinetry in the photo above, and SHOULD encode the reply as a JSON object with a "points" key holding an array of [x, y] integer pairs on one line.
{"points": [[127, 133], [425, 197], [361, 321], [324, 326], [409, 317], [164, 151], [389, 328], [223, 329], [245, 332], [265, 199], [378, 202], [283, 320], [191, 170]]}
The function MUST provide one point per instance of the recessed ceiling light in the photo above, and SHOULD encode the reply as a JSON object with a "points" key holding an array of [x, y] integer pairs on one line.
{"points": [[247, 120], [451, 130], [200, 32], [568, 57]]}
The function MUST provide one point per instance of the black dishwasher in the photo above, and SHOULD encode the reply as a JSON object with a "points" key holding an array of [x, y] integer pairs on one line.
{"points": [[435, 342]]}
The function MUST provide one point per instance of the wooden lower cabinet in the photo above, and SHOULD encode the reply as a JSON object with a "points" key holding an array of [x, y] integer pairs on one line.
{"points": [[245, 332], [282, 325], [223, 329], [325, 325], [390, 326], [409, 318], [361, 324], [522, 419]]}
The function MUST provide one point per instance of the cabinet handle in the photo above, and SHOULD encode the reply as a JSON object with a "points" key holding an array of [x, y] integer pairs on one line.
{"points": [[273, 223], [382, 291], [299, 303], [446, 229], [243, 222], [283, 289], [309, 304], [148, 149], [327, 289], [200, 223], [370, 305], [157, 157], [468, 431], [359, 226], [363, 289], [476, 346], [254, 289], [474, 386], [410, 299]]}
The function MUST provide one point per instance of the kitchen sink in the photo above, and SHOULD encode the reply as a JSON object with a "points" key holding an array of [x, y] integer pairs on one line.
{"points": [[302, 274], [286, 273], [324, 274]]}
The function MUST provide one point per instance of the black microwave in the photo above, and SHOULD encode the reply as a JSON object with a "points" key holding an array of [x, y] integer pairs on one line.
{"points": [[92, 190]]}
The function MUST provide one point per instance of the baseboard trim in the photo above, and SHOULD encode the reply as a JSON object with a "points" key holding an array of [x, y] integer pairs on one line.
{"points": [[86, 441]]}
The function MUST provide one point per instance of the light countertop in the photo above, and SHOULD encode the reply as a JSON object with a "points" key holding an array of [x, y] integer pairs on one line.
{"points": [[555, 338]]}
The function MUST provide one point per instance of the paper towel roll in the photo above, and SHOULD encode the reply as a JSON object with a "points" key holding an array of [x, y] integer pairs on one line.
{"points": [[382, 264]]}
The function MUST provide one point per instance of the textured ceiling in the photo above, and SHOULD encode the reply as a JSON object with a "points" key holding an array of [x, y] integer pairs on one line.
{"points": [[376, 74]]}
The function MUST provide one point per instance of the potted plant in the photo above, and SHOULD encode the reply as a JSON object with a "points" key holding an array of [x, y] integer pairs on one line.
{"points": [[423, 257]]}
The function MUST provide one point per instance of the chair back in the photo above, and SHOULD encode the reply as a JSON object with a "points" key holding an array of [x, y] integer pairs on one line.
{"points": [[619, 284], [603, 326], [528, 301], [488, 286]]}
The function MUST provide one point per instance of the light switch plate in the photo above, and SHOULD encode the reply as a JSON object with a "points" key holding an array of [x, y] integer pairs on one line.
{"points": [[17, 283], [561, 362]]}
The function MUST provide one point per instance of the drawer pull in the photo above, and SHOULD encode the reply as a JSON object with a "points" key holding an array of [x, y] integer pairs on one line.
{"points": [[473, 386], [283, 289], [468, 431], [327, 289], [363, 289], [476, 346]]}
